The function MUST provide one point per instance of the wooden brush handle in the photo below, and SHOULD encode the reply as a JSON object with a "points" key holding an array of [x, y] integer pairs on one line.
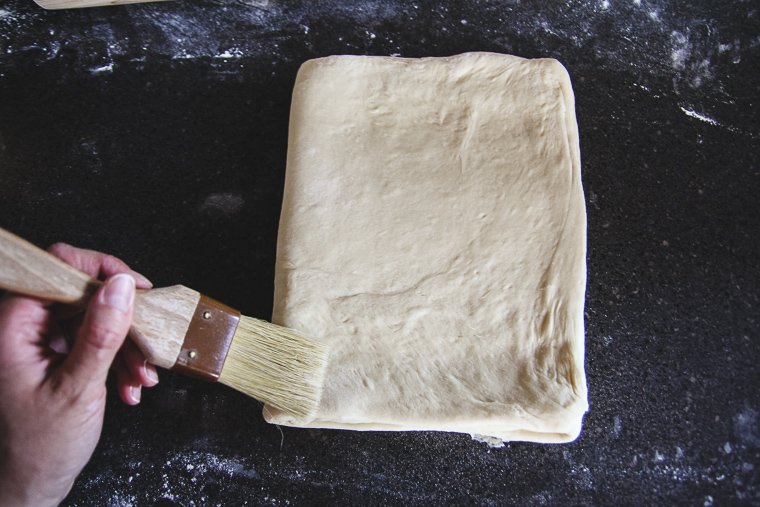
{"points": [[161, 316]]}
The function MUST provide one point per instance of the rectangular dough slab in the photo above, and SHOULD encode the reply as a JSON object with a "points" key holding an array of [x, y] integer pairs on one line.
{"points": [[433, 231]]}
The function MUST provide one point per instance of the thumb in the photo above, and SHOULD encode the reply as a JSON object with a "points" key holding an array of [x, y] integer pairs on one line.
{"points": [[106, 324]]}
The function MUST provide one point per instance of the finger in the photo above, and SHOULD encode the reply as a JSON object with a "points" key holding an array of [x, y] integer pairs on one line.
{"points": [[23, 321], [96, 264], [141, 371], [59, 344], [110, 266], [129, 389], [105, 326]]}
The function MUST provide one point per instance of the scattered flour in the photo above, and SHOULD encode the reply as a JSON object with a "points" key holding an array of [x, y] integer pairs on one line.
{"points": [[230, 53], [223, 204], [103, 68], [746, 427], [700, 116], [492, 442], [617, 426], [182, 478], [715, 123]]}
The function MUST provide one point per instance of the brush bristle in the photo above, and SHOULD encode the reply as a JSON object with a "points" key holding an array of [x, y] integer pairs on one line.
{"points": [[276, 365]]}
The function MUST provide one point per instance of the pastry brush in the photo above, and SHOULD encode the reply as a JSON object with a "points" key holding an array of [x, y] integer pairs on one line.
{"points": [[179, 328]]}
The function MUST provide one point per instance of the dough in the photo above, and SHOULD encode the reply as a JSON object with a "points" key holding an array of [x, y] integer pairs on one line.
{"points": [[433, 232]]}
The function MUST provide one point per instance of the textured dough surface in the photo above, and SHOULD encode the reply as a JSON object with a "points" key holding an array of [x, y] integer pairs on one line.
{"points": [[433, 231]]}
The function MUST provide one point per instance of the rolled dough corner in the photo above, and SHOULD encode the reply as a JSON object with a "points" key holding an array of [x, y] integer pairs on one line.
{"points": [[433, 233]]}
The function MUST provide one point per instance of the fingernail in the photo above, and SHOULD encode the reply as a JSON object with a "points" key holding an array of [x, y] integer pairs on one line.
{"points": [[144, 282], [134, 393], [119, 292], [151, 374]]}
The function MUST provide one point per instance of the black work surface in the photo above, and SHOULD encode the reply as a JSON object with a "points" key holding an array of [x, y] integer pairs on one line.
{"points": [[158, 133]]}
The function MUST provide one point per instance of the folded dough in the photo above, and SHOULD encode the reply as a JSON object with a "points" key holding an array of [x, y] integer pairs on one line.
{"points": [[433, 231]]}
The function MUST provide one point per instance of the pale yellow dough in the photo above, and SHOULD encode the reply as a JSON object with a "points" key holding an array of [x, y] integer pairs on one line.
{"points": [[433, 232]]}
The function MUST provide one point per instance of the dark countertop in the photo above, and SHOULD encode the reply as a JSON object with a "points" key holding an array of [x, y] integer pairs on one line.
{"points": [[157, 132]]}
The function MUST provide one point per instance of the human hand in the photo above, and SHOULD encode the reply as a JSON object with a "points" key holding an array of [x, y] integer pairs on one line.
{"points": [[53, 367]]}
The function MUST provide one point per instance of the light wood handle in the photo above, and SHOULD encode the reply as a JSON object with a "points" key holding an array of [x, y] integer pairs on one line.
{"points": [[161, 316], [78, 4]]}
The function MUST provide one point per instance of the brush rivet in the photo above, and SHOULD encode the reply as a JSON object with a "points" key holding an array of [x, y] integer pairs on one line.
{"points": [[192, 354], [206, 315]]}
